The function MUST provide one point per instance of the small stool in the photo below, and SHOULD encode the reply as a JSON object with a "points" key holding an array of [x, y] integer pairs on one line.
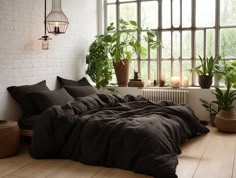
{"points": [[9, 138]]}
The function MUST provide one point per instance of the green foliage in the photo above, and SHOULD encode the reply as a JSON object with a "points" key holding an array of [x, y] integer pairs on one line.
{"points": [[115, 46], [207, 66], [211, 107], [224, 98]]}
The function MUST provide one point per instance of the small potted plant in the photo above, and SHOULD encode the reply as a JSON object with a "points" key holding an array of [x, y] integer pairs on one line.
{"points": [[205, 70], [116, 47]]}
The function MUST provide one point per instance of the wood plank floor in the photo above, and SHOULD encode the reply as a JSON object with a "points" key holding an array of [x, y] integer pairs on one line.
{"points": [[207, 156]]}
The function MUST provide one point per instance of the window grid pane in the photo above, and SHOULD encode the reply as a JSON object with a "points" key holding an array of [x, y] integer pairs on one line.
{"points": [[176, 32]]}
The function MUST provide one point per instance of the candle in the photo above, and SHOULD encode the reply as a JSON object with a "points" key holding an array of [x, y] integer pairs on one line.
{"points": [[185, 82], [175, 82]]}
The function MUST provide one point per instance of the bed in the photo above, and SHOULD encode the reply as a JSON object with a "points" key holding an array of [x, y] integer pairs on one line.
{"points": [[127, 132]]}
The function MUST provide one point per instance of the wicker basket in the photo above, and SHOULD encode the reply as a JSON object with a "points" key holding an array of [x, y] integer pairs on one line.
{"points": [[9, 138]]}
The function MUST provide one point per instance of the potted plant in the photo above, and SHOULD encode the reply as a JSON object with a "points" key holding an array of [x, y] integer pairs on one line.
{"points": [[226, 118], [212, 108], [117, 47], [205, 70]]}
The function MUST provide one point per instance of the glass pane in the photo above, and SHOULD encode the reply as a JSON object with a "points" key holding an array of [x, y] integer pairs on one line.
{"points": [[176, 45], [186, 75], [166, 45], [186, 44], [166, 71], [144, 71], [228, 42], [166, 9], [199, 43], [110, 1], [210, 43], [176, 12], [124, 0], [205, 13], [127, 37], [149, 14], [128, 11], [144, 54], [153, 71], [176, 68], [186, 13], [227, 12], [153, 54], [111, 14], [195, 82], [132, 67]]}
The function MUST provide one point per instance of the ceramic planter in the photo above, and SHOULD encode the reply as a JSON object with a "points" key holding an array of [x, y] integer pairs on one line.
{"points": [[205, 81], [226, 121]]}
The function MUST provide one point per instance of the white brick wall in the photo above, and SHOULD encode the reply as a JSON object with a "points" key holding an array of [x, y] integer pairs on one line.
{"points": [[21, 59]]}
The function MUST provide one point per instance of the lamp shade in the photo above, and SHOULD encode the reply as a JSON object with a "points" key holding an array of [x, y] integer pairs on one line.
{"points": [[45, 42], [56, 20]]}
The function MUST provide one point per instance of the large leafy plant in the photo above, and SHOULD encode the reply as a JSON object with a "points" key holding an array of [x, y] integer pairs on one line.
{"points": [[207, 66], [224, 97], [114, 46]]}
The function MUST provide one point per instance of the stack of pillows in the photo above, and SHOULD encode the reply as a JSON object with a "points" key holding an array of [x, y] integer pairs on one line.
{"points": [[34, 99]]}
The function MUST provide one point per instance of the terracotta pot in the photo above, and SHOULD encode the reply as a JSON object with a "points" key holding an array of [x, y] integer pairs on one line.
{"points": [[205, 81], [226, 121], [122, 72]]}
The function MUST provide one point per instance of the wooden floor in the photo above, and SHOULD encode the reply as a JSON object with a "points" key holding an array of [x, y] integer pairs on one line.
{"points": [[208, 156]]}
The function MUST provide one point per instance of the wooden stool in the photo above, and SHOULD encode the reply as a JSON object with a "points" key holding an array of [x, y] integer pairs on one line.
{"points": [[9, 138]]}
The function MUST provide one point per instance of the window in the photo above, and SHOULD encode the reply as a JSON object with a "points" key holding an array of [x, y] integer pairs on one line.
{"points": [[187, 29]]}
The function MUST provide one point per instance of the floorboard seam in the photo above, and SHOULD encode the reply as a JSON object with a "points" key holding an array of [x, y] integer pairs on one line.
{"points": [[210, 139], [233, 161]]}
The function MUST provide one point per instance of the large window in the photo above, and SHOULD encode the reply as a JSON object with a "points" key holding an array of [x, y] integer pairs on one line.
{"points": [[187, 29]]}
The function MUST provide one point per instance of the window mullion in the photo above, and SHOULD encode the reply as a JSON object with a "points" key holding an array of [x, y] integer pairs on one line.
{"points": [[217, 34], [139, 32], [159, 50], [193, 37]]}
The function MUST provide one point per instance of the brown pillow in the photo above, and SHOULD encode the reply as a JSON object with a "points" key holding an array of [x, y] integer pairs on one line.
{"points": [[80, 91], [19, 93], [81, 82], [45, 99]]}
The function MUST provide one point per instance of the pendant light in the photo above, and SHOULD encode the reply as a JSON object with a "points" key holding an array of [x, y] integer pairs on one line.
{"points": [[56, 20], [45, 39]]}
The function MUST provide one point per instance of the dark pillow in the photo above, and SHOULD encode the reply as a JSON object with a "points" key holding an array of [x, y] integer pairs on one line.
{"points": [[19, 93], [81, 82], [45, 99], [80, 91]]}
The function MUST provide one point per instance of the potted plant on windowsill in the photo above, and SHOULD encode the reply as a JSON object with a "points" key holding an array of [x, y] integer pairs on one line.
{"points": [[205, 70], [116, 47]]}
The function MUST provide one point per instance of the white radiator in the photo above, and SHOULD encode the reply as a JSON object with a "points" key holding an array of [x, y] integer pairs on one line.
{"points": [[178, 96]]}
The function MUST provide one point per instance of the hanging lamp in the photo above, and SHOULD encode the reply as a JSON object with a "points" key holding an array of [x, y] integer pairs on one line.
{"points": [[56, 20], [45, 39]]}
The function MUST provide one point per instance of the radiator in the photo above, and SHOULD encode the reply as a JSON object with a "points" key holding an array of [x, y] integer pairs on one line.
{"points": [[178, 96]]}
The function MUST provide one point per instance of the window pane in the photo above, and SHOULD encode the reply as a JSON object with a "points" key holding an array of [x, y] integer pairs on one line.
{"points": [[210, 42], [228, 42], [186, 13], [186, 44], [144, 71], [127, 37], [166, 71], [153, 54], [111, 14], [153, 71], [144, 54], [186, 66], [205, 13], [166, 43], [128, 11], [109, 1], [149, 14], [166, 9], [176, 45], [199, 43], [176, 68], [132, 67], [227, 12], [125, 0], [176, 13]]}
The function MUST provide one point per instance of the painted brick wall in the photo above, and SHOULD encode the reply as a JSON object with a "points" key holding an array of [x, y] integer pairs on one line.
{"points": [[21, 59]]}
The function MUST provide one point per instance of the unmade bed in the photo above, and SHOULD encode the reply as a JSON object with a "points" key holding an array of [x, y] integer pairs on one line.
{"points": [[124, 132]]}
